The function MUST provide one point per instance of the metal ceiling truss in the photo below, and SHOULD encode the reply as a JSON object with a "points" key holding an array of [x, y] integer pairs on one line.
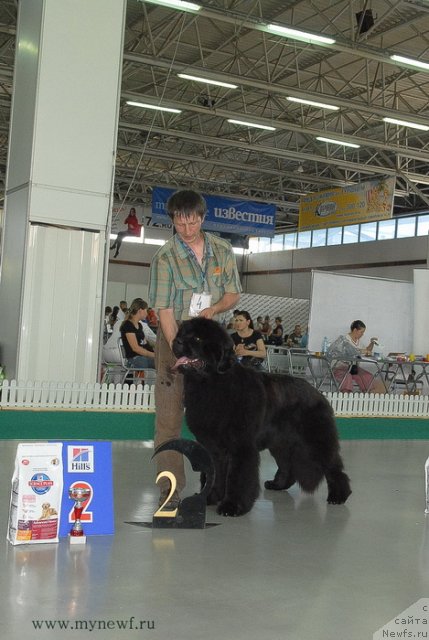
{"points": [[227, 40]]}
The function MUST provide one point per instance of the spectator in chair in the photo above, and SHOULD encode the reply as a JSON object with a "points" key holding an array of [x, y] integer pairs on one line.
{"points": [[249, 345], [138, 352], [349, 346], [276, 337]]}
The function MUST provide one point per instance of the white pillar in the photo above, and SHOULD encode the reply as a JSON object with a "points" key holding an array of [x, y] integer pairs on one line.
{"points": [[59, 184], [421, 311]]}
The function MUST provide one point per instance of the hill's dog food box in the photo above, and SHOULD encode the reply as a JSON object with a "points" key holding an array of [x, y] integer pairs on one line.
{"points": [[37, 485]]}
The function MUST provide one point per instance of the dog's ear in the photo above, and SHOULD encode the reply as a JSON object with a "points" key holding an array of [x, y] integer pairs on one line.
{"points": [[227, 359]]}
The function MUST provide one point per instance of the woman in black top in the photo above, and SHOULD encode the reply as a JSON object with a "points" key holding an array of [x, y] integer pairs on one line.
{"points": [[249, 344], [138, 352]]}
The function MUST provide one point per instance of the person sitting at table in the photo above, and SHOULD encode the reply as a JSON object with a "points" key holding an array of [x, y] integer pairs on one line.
{"points": [[276, 337], [259, 323], [266, 328], [294, 338], [349, 346], [304, 339], [249, 344]]}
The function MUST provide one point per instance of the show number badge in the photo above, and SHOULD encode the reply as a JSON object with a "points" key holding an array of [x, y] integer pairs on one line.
{"points": [[199, 301], [191, 512]]}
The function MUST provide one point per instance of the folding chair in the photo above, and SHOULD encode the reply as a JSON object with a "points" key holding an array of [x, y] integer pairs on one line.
{"points": [[133, 374], [321, 373], [278, 360], [112, 372], [299, 362]]}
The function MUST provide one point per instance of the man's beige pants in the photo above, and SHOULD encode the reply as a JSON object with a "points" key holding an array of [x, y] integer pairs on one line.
{"points": [[169, 412]]}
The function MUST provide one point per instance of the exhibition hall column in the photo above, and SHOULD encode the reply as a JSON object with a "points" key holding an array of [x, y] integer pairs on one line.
{"points": [[62, 149]]}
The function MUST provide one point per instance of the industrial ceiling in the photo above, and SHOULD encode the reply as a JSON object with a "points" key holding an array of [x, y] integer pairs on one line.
{"points": [[230, 41]]}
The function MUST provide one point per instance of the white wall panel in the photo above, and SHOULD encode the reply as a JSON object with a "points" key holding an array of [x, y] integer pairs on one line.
{"points": [[24, 94], [115, 292], [364, 258], [62, 152], [136, 291], [421, 311], [61, 313], [11, 275], [68, 207], [385, 306], [79, 155]]}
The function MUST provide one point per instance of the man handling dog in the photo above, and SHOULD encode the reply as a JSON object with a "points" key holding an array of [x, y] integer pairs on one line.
{"points": [[193, 274]]}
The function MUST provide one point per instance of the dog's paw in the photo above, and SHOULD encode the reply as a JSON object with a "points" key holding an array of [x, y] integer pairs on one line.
{"points": [[272, 485], [337, 497], [229, 508]]}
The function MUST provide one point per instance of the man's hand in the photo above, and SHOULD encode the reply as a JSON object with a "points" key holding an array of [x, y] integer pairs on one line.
{"points": [[227, 301], [208, 313]]}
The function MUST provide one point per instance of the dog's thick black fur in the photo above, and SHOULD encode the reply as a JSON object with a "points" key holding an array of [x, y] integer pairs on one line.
{"points": [[235, 412]]}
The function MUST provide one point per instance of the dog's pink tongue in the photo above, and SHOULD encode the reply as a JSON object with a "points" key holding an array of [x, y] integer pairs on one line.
{"points": [[182, 360]]}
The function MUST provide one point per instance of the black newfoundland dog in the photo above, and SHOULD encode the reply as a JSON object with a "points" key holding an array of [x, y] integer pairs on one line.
{"points": [[235, 412]]}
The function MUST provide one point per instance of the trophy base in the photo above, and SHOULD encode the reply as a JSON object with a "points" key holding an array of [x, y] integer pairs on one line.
{"points": [[77, 539]]}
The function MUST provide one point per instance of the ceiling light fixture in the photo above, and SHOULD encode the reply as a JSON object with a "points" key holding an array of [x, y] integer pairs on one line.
{"points": [[404, 123], [340, 142], [144, 105], [218, 83], [312, 103], [252, 124], [177, 4], [411, 62], [295, 34]]}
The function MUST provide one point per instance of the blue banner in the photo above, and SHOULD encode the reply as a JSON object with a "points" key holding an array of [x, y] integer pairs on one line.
{"points": [[88, 465], [226, 215]]}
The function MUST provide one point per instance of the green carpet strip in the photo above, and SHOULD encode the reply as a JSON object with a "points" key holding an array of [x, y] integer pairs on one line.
{"points": [[97, 425]]}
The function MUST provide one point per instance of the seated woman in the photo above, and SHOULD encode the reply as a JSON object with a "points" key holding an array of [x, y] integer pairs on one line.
{"points": [[349, 346], [249, 345], [138, 352]]}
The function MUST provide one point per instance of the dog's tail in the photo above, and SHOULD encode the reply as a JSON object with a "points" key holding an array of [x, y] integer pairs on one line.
{"points": [[309, 474]]}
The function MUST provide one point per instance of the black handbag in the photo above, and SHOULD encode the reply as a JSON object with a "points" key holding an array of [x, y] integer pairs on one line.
{"points": [[354, 369]]}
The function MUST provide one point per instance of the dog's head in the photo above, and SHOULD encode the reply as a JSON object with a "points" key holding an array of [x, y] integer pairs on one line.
{"points": [[202, 345]]}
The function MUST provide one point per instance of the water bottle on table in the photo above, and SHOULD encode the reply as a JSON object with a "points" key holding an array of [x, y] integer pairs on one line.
{"points": [[325, 345]]}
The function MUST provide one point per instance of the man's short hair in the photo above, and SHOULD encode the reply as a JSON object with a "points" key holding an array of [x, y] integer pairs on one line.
{"points": [[186, 203]]}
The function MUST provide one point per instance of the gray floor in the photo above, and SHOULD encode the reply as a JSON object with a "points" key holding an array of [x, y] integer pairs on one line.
{"points": [[294, 568]]}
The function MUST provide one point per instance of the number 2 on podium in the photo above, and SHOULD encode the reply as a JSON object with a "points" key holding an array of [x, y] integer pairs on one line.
{"points": [[173, 483]]}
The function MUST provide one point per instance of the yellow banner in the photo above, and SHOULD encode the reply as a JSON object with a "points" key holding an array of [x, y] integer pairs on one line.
{"points": [[364, 202]]}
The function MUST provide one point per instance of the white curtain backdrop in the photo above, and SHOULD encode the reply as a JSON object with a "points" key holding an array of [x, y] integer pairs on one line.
{"points": [[421, 311]]}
